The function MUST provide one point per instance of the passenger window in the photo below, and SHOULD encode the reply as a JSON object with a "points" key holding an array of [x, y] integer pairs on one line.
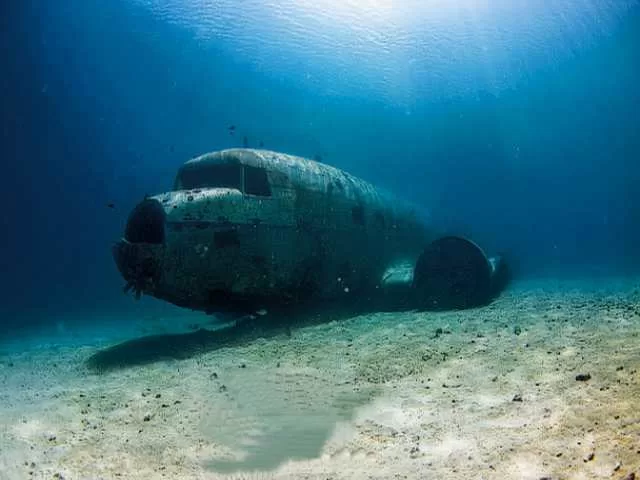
{"points": [[211, 176], [256, 181]]}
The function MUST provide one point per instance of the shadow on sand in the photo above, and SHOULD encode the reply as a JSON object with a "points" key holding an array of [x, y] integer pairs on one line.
{"points": [[154, 348], [289, 424]]}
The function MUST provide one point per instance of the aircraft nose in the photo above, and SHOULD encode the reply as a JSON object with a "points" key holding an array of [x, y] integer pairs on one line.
{"points": [[136, 255], [146, 223]]}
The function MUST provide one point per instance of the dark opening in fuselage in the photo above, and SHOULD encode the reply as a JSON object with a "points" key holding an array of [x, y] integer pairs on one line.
{"points": [[146, 223], [248, 179]]}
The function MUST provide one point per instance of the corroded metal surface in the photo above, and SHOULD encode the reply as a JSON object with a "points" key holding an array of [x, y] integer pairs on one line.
{"points": [[318, 233]]}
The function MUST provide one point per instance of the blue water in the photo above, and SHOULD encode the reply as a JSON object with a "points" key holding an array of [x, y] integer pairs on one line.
{"points": [[515, 122]]}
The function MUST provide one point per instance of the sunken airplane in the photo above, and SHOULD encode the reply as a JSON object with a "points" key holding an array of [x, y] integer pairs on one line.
{"points": [[247, 229]]}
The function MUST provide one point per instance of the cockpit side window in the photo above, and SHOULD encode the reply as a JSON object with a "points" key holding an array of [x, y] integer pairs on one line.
{"points": [[256, 181], [211, 176]]}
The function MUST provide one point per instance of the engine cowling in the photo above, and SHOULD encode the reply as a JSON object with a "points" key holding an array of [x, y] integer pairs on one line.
{"points": [[454, 273]]}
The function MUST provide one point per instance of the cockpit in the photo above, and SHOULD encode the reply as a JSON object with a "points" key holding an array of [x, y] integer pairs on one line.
{"points": [[247, 179]]}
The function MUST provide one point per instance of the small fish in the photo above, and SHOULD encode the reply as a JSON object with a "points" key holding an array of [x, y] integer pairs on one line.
{"points": [[232, 127], [317, 157], [245, 142], [111, 205], [261, 144]]}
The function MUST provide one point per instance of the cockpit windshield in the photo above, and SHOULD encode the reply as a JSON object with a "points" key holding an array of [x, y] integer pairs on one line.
{"points": [[249, 180], [209, 176]]}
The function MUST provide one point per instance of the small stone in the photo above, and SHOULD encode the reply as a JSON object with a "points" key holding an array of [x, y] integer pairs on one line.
{"points": [[517, 398], [147, 417], [223, 388], [158, 395], [630, 476], [589, 457], [52, 438], [617, 466], [243, 365], [517, 330], [583, 377]]}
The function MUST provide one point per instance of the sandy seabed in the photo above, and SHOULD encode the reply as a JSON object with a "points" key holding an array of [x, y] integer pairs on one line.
{"points": [[488, 393]]}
